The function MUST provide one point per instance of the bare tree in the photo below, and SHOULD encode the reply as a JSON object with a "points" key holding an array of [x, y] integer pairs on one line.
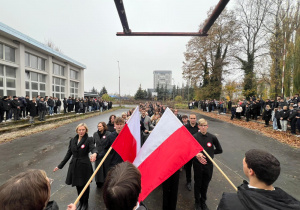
{"points": [[51, 44], [252, 16]]}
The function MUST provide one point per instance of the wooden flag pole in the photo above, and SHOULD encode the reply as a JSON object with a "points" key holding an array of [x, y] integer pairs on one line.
{"points": [[220, 170], [93, 175]]}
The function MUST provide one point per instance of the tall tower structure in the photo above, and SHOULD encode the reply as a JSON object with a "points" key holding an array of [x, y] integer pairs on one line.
{"points": [[162, 78]]}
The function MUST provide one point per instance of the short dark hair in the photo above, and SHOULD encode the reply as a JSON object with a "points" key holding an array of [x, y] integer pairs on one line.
{"points": [[28, 190], [119, 120], [122, 187], [264, 164], [184, 116]]}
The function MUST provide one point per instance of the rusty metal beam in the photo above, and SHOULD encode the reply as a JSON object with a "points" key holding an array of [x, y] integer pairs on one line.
{"points": [[161, 34], [215, 14], [122, 15], [202, 32]]}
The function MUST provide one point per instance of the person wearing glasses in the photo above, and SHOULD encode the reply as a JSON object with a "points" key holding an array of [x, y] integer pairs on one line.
{"points": [[203, 167], [28, 190], [80, 168]]}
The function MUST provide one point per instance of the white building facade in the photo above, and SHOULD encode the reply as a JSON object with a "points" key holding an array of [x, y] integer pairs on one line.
{"points": [[162, 78], [28, 67]]}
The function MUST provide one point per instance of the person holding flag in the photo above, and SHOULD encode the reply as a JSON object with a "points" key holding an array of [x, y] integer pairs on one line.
{"points": [[115, 157], [203, 167]]}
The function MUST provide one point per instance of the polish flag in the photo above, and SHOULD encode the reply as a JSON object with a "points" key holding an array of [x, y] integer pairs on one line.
{"points": [[169, 146], [128, 142]]}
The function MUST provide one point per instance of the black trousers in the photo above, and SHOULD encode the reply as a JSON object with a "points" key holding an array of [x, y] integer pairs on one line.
{"points": [[293, 125], [202, 176], [170, 192], [86, 194], [188, 171], [16, 112]]}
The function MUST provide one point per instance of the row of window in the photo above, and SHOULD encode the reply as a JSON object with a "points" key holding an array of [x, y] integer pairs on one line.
{"points": [[35, 62], [7, 53], [35, 84], [7, 81]]}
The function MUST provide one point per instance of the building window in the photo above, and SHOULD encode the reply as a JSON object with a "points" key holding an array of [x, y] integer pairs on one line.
{"points": [[74, 89], [73, 74], [58, 70], [7, 53], [7, 80], [58, 87], [35, 84], [34, 62]]}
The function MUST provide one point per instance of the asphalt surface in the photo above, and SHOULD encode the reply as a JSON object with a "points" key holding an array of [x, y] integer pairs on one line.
{"points": [[45, 151]]}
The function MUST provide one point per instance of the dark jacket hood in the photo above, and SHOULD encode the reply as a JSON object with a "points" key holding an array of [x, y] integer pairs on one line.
{"points": [[259, 199]]}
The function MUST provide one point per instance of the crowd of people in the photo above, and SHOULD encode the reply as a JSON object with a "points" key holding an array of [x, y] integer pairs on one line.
{"points": [[121, 181], [281, 112], [17, 108]]}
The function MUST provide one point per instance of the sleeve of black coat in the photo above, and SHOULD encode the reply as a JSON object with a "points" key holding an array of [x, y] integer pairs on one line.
{"points": [[67, 157], [109, 142], [216, 143], [92, 147]]}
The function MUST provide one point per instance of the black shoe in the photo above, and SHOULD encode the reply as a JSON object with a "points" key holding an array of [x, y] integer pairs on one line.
{"points": [[198, 206], [189, 186], [204, 206]]}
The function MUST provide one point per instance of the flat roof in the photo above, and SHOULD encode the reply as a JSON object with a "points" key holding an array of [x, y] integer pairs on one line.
{"points": [[28, 40], [162, 72]]}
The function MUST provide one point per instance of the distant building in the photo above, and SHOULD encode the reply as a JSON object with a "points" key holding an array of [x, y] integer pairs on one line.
{"points": [[162, 78], [28, 67]]}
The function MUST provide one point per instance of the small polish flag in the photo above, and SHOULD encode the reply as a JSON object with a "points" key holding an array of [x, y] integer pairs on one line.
{"points": [[128, 142], [169, 146]]}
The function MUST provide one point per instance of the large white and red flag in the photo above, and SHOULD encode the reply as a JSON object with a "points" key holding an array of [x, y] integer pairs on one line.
{"points": [[128, 142], [167, 149]]}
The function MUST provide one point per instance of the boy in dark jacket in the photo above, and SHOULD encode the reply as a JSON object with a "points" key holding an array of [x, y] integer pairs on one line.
{"points": [[233, 111], [262, 170], [15, 105], [42, 109], [32, 109]]}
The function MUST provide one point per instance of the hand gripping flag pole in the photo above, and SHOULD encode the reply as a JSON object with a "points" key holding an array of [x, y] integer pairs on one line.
{"points": [[92, 177], [226, 177]]}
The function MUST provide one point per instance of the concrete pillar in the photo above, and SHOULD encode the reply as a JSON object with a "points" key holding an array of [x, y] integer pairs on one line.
{"points": [[49, 78], [81, 83], [67, 75], [20, 73]]}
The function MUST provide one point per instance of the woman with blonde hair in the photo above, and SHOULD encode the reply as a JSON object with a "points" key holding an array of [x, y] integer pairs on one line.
{"points": [[80, 168]]}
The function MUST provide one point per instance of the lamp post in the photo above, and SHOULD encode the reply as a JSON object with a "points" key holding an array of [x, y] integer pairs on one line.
{"points": [[173, 88], [119, 85]]}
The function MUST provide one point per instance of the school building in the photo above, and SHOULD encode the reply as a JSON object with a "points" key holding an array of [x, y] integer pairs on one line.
{"points": [[28, 67]]}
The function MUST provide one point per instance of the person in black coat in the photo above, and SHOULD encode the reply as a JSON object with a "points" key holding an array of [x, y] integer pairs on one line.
{"points": [[65, 105], [100, 140], [267, 115], [15, 105], [110, 124], [262, 169], [80, 168], [203, 167], [32, 109], [42, 108]]}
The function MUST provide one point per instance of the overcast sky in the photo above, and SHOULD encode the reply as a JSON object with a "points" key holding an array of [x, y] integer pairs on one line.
{"points": [[85, 30]]}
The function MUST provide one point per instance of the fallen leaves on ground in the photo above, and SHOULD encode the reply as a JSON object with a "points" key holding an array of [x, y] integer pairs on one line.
{"points": [[284, 137]]}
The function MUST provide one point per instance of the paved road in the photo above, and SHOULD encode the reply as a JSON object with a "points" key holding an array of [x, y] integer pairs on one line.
{"points": [[45, 150]]}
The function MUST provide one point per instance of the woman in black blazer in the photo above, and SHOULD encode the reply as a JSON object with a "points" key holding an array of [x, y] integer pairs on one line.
{"points": [[80, 168], [100, 139]]}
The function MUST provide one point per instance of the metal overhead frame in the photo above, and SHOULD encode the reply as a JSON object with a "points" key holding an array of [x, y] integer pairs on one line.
{"points": [[202, 32]]}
